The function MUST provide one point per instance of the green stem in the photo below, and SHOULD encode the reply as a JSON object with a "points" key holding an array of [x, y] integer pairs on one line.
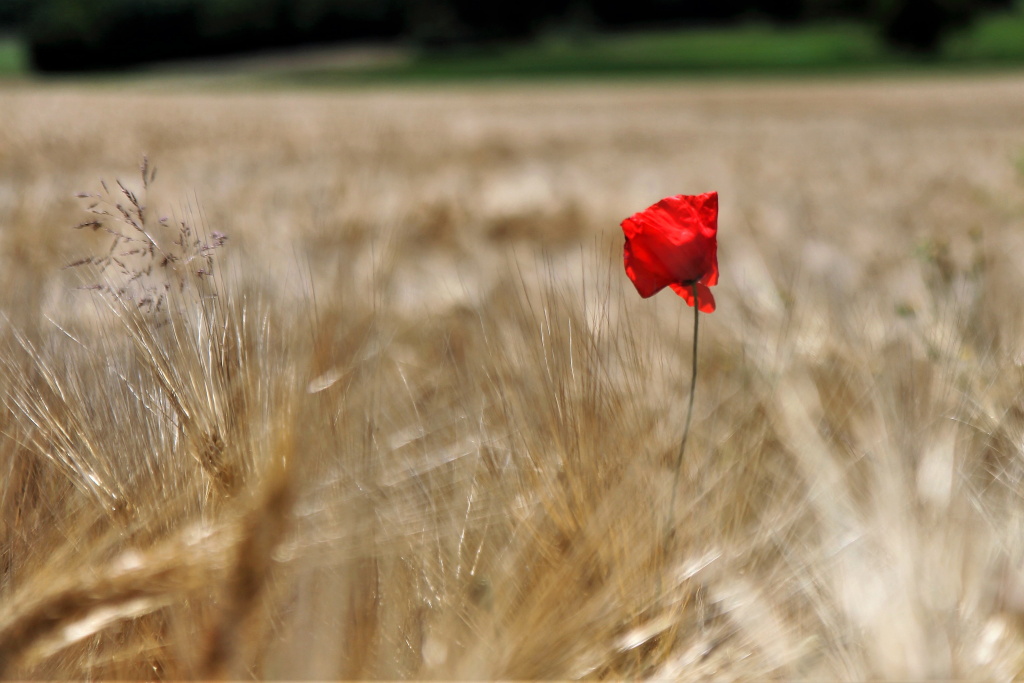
{"points": [[689, 409]]}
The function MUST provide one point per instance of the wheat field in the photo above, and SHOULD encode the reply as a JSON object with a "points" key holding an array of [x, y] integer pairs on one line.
{"points": [[355, 386]]}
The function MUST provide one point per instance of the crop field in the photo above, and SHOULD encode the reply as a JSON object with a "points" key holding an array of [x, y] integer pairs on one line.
{"points": [[354, 386]]}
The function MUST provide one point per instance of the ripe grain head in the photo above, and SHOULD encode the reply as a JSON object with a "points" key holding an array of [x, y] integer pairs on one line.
{"points": [[418, 425]]}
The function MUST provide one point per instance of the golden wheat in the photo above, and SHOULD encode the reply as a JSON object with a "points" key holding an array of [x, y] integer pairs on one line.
{"points": [[412, 422]]}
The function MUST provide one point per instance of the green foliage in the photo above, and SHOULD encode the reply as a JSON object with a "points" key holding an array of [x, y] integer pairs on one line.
{"points": [[84, 34], [995, 38], [920, 25], [234, 17], [317, 17], [754, 49], [14, 12], [12, 57], [318, 20], [65, 21], [73, 35], [923, 26]]}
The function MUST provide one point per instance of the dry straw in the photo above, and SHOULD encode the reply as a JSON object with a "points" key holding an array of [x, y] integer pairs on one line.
{"points": [[453, 460]]}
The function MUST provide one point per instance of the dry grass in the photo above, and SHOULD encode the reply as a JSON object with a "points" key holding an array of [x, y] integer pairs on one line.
{"points": [[414, 422]]}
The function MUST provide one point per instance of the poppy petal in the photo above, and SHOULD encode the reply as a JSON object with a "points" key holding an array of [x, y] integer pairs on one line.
{"points": [[674, 242], [705, 299], [711, 276], [644, 270]]}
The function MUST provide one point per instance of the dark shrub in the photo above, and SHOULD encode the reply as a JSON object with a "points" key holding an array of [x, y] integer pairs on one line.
{"points": [[71, 35], [920, 25]]}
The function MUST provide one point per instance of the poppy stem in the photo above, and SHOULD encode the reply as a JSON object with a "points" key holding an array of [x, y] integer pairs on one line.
{"points": [[689, 409]]}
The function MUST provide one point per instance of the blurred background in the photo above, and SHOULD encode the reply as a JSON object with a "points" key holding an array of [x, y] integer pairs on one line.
{"points": [[464, 38], [422, 299]]}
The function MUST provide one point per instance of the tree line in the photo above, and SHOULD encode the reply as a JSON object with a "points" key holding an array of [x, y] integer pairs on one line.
{"points": [[65, 35]]}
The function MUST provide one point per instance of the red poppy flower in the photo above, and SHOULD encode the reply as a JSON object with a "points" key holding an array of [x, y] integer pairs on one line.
{"points": [[675, 244]]}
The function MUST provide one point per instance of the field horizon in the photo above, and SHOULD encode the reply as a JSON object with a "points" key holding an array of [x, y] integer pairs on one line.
{"points": [[754, 47], [351, 384]]}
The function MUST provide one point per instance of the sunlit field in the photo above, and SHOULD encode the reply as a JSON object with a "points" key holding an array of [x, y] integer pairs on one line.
{"points": [[411, 419]]}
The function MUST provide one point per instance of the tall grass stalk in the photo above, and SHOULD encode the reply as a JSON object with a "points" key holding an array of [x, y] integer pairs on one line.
{"points": [[455, 464]]}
